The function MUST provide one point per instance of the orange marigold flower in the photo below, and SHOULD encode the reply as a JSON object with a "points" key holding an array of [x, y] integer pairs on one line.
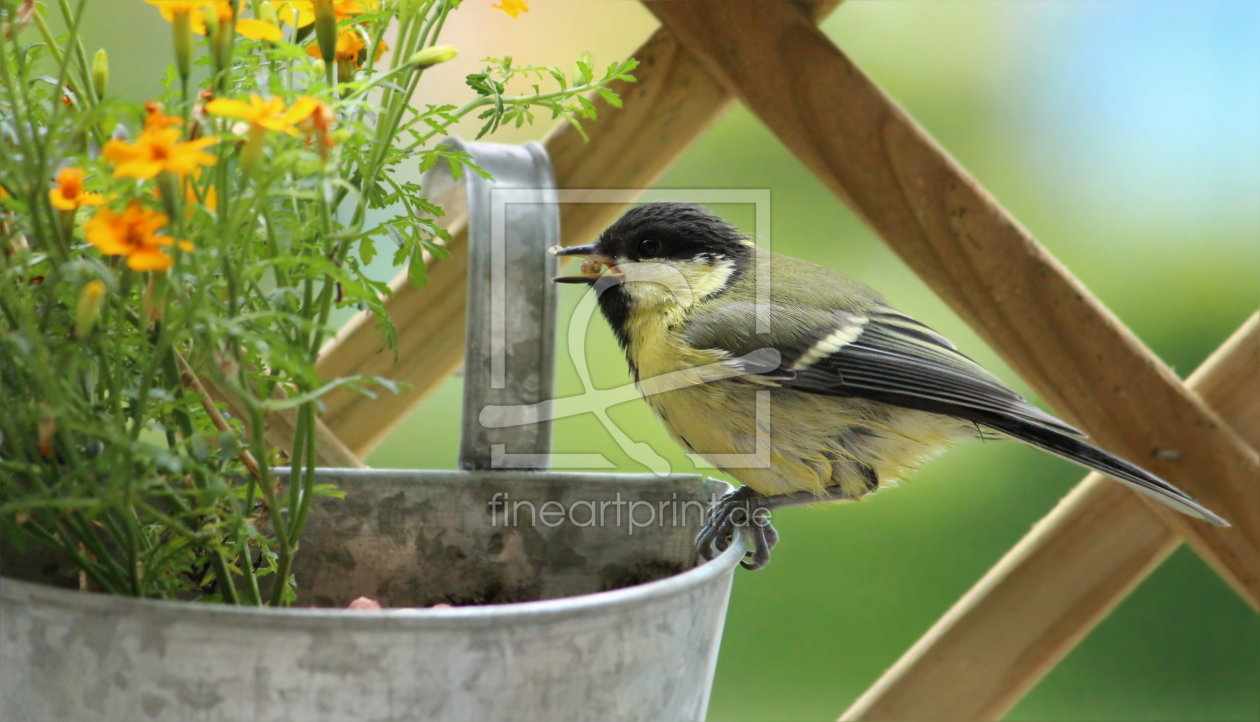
{"points": [[512, 7], [131, 234], [351, 42], [69, 194], [156, 150], [320, 129], [154, 118], [269, 114]]}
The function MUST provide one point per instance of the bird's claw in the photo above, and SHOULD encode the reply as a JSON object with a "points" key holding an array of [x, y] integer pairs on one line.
{"points": [[742, 509]]}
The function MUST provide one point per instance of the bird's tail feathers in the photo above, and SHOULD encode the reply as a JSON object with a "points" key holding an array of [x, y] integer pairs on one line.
{"points": [[1086, 454]]}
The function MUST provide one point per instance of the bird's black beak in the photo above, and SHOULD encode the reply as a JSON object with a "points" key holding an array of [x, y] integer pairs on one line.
{"points": [[592, 267]]}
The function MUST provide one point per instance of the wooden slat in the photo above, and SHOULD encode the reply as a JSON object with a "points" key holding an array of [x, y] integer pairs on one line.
{"points": [[1043, 321], [282, 428], [430, 323], [671, 105], [1053, 587]]}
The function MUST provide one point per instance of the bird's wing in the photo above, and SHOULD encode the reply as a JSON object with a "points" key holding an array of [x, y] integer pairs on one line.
{"points": [[877, 353]]}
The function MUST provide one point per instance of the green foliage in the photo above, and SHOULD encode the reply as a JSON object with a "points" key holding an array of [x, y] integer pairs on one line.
{"points": [[568, 103], [134, 396]]}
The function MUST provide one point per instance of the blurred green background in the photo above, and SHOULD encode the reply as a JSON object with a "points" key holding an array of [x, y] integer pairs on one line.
{"points": [[1125, 136]]}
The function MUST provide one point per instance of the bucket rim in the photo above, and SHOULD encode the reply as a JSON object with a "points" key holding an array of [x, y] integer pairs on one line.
{"points": [[400, 618], [546, 610]]}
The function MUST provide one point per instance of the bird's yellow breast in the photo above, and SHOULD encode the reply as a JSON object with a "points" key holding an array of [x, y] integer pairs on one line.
{"points": [[657, 347], [691, 391]]}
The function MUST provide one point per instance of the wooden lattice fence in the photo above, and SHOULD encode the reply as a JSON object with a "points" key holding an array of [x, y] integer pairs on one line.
{"points": [[1101, 540]]}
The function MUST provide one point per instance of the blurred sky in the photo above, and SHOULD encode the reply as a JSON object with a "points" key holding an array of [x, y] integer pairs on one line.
{"points": [[1124, 135]]}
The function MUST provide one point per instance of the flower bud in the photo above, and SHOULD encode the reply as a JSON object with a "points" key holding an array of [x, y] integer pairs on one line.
{"points": [[433, 55], [181, 28], [268, 14], [47, 429], [326, 28], [211, 15], [88, 309], [100, 72], [345, 70], [219, 31]]}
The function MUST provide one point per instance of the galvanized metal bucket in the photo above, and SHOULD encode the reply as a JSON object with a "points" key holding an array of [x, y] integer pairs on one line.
{"points": [[588, 601]]}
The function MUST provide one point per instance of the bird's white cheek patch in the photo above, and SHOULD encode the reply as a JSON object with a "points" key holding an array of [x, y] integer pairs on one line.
{"points": [[706, 278], [653, 284], [831, 343], [681, 283]]}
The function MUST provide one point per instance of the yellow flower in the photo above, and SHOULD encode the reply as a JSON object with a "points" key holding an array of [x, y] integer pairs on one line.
{"points": [[191, 9], [512, 7], [256, 29], [172, 9], [156, 150], [269, 114], [131, 234], [301, 13], [263, 115], [69, 194]]}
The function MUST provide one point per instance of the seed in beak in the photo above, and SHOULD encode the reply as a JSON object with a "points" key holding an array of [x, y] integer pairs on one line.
{"points": [[592, 270]]}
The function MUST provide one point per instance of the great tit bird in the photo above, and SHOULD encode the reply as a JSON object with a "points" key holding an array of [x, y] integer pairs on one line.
{"points": [[813, 389]]}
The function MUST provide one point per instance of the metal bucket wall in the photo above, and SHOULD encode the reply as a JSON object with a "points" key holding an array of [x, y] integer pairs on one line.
{"points": [[643, 652], [590, 610]]}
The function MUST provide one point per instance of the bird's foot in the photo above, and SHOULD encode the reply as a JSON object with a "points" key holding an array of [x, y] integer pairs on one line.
{"points": [[741, 510]]}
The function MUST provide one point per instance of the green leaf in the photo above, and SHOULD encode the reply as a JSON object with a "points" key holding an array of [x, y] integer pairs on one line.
{"points": [[558, 76], [610, 97], [584, 73]]}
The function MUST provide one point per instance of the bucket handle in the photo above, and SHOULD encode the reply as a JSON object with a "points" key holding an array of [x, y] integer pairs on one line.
{"points": [[509, 352]]}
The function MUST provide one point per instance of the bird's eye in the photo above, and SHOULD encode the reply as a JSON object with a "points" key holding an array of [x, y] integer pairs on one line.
{"points": [[649, 248]]}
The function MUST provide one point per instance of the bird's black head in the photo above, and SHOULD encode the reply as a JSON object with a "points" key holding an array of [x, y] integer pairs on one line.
{"points": [[677, 235], [673, 232], [661, 258]]}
